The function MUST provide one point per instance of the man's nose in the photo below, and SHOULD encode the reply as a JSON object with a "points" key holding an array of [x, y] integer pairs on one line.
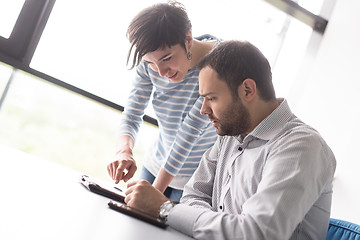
{"points": [[205, 109]]}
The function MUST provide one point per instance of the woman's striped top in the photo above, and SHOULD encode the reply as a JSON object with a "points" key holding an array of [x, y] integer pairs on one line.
{"points": [[184, 134]]}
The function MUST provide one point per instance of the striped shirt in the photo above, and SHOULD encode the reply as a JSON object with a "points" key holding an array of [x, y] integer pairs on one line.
{"points": [[184, 134], [276, 183]]}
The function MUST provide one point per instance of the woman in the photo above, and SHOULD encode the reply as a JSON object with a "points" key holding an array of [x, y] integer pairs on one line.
{"points": [[165, 55]]}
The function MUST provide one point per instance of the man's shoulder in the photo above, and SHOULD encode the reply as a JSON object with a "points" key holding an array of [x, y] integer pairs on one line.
{"points": [[298, 132], [298, 128]]}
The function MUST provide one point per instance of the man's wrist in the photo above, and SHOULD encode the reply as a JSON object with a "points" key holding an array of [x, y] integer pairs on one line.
{"points": [[165, 209]]}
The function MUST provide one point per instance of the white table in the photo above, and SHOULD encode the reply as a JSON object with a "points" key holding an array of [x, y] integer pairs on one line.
{"points": [[42, 200]]}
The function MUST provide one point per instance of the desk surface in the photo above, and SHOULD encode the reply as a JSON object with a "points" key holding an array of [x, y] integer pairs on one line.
{"points": [[42, 200]]}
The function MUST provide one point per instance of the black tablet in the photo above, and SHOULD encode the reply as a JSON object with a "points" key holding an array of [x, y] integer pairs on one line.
{"points": [[136, 213]]}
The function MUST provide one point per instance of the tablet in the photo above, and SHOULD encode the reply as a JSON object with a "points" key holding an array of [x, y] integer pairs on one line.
{"points": [[136, 213], [114, 193]]}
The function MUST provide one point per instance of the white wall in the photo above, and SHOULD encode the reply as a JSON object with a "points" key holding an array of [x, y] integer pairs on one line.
{"points": [[329, 101]]}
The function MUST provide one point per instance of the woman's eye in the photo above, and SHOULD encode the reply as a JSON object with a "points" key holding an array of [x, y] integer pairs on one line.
{"points": [[153, 66], [166, 59]]}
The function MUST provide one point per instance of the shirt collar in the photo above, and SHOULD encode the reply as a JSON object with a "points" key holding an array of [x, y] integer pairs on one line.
{"points": [[272, 124]]}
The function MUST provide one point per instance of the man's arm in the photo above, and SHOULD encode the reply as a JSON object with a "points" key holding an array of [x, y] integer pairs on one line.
{"points": [[293, 180], [142, 195], [198, 191]]}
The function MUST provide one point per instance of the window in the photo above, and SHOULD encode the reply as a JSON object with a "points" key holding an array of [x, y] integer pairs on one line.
{"points": [[5, 74], [85, 48], [91, 50], [311, 5], [9, 12], [56, 124]]}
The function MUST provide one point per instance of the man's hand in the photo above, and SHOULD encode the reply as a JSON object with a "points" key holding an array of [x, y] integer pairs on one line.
{"points": [[142, 195], [116, 169]]}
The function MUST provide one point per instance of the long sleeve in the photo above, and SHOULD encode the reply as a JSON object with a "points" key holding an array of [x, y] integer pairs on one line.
{"points": [[276, 183], [184, 134], [197, 197], [137, 102], [199, 190], [187, 137]]}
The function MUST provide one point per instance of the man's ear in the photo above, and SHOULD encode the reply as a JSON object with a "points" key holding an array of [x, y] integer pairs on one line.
{"points": [[247, 90]]}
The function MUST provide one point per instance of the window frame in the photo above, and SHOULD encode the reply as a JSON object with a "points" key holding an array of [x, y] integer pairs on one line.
{"points": [[316, 22], [19, 48]]}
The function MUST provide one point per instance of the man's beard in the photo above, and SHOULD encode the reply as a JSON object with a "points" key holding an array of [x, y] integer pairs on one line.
{"points": [[234, 120]]}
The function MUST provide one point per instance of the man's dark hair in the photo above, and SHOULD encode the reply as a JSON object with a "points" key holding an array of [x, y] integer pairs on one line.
{"points": [[159, 26], [235, 61]]}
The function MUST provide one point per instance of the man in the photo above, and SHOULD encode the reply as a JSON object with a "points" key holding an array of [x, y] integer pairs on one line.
{"points": [[268, 176]]}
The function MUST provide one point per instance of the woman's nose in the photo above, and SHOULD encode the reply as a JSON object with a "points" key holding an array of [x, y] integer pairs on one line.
{"points": [[162, 70]]}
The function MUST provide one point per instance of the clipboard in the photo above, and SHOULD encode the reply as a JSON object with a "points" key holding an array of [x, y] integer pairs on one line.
{"points": [[111, 192]]}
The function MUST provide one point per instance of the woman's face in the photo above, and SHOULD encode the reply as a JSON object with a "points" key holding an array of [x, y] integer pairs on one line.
{"points": [[169, 62]]}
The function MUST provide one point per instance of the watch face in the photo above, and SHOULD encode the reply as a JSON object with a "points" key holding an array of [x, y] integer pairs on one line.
{"points": [[165, 209], [162, 211]]}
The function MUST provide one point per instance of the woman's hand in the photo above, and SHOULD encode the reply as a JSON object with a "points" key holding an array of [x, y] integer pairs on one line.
{"points": [[123, 168]]}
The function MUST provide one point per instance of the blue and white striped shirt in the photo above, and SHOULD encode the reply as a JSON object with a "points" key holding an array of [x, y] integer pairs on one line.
{"points": [[184, 134]]}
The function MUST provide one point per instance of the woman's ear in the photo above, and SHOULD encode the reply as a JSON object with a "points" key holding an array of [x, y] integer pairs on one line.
{"points": [[247, 90], [188, 39]]}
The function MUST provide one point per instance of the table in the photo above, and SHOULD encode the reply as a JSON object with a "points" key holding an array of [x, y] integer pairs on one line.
{"points": [[40, 199]]}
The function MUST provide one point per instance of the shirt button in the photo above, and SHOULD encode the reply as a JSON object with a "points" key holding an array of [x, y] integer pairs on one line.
{"points": [[220, 207]]}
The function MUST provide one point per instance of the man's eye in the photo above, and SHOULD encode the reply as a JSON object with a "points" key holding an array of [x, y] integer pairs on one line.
{"points": [[166, 59], [210, 98]]}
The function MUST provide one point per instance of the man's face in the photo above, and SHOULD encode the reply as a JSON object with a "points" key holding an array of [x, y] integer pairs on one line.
{"points": [[226, 112], [169, 62]]}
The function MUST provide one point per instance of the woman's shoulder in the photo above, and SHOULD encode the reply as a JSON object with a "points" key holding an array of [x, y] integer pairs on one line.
{"points": [[207, 38]]}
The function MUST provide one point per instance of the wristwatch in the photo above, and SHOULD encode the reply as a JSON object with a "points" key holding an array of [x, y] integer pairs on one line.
{"points": [[165, 209]]}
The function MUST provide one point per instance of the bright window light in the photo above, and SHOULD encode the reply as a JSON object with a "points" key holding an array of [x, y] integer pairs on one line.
{"points": [[87, 47], [313, 6], [9, 12]]}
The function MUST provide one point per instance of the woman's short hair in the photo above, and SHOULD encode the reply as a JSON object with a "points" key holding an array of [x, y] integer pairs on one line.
{"points": [[156, 27]]}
